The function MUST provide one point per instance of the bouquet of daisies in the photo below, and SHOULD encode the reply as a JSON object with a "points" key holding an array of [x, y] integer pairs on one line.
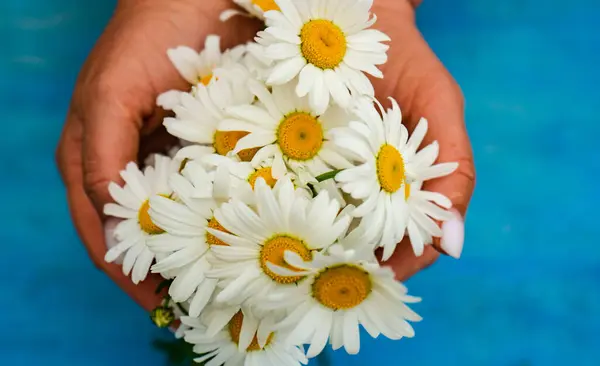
{"points": [[290, 174]]}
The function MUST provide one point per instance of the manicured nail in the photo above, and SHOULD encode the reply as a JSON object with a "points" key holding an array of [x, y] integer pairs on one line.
{"points": [[453, 235], [109, 235]]}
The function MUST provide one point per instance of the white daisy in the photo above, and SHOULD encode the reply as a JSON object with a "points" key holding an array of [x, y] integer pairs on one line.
{"points": [[199, 113], [287, 130], [282, 221], [326, 43], [255, 8], [344, 289], [198, 67], [243, 176], [186, 243], [132, 204], [243, 341], [424, 208], [387, 159]]}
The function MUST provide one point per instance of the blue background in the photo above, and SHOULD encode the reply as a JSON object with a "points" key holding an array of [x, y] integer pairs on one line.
{"points": [[526, 291]]}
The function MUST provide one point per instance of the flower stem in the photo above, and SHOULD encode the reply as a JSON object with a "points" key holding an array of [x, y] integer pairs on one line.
{"points": [[328, 175]]}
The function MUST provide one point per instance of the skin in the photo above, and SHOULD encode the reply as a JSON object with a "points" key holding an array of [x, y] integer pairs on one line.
{"points": [[113, 118]]}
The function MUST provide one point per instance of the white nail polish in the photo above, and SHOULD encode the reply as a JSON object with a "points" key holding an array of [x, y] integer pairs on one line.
{"points": [[109, 236], [453, 235]]}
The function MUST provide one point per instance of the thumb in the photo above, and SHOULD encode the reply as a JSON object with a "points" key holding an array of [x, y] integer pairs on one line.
{"points": [[110, 140]]}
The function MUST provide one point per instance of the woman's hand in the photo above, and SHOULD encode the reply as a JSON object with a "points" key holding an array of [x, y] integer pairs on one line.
{"points": [[423, 87], [113, 110]]}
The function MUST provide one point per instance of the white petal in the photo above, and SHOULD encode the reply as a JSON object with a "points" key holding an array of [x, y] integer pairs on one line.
{"points": [[351, 333], [319, 95], [184, 59], [288, 9], [286, 71], [282, 51], [339, 92], [306, 79], [112, 209]]}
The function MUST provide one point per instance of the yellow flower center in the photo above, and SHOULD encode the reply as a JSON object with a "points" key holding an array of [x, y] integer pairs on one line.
{"points": [[300, 136], [390, 168], [323, 43], [264, 173], [273, 250], [266, 5], [210, 238], [406, 191], [225, 141], [235, 329], [145, 221], [342, 287], [205, 80]]}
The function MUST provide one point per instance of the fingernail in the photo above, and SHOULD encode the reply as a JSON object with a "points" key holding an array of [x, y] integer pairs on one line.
{"points": [[109, 236], [453, 235]]}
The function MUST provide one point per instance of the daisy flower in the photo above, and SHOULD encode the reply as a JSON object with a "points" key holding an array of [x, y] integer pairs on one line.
{"points": [[285, 128], [198, 67], [185, 245], [198, 114], [132, 205], [255, 8], [283, 221], [243, 341], [344, 290], [243, 176], [424, 208], [387, 160], [327, 44]]}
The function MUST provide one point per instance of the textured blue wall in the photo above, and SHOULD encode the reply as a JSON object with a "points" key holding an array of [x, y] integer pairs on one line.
{"points": [[526, 291]]}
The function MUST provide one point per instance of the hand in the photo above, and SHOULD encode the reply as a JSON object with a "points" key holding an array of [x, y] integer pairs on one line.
{"points": [[424, 88], [113, 111]]}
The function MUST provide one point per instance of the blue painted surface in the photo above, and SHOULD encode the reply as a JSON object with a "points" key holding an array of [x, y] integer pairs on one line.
{"points": [[526, 291]]}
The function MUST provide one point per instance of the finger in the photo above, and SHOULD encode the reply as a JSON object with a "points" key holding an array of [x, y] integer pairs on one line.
{"points": [[86, 219], [423, 88], [404, 262], [110, 140], [442, 105]]}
